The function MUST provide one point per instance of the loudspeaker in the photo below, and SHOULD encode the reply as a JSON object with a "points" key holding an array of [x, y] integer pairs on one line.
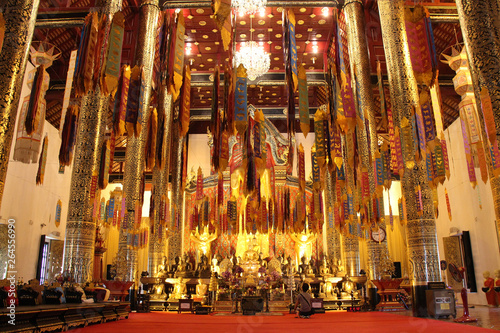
{"points": [[397, 270], [108, 273]]}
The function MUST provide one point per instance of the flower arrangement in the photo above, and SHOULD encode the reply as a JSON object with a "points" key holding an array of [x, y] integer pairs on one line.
{"points": [[227, 275], [238, 270]]}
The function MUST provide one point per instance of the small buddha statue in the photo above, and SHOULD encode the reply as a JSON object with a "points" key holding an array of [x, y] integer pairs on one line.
{"points": [[174, 266], [312, 270], [489, 289], [497, 285], [324, 270], [340, 268]]}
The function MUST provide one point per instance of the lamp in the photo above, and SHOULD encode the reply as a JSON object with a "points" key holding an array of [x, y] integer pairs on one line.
{"points": [[253, 57], [248, 6]]}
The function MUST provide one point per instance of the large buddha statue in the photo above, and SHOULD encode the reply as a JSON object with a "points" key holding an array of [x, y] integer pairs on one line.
{"points": [[203, 269]]}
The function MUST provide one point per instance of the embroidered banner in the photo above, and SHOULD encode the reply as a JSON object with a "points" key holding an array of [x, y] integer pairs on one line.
{"points": [[132, 111], [222, 18], [121, 98], [489, 119], [186, 102], [178, 59], [57, 218], [240, 105], [293, 48], [112, 71], [319, 138], [42, 162], [468, 156]]}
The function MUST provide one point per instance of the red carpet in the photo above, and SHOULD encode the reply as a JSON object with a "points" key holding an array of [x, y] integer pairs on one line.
{"points": [[329, 322]]}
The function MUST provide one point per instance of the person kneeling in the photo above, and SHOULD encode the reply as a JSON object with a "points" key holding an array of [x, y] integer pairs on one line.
{"points": [[304, 300]]}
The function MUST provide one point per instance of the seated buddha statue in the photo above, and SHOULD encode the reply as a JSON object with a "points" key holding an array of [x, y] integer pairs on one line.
{"points": [[312, 271], [184, 269], [180, 290], [303, 267], [201, 289], [203, 269], [324, 270]]}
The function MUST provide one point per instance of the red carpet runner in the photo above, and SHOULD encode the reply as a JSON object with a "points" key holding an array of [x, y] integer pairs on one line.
{"points": [[329, 322]]}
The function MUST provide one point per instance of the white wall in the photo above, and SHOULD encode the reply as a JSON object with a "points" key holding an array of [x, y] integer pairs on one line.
{"points": [[466, 213], [31, 205]]}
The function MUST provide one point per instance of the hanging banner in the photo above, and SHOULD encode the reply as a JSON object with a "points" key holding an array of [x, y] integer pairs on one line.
{"points": [[427, 114], [58, 213], [293, 48], [302, 169], [42, 162], [468, 156], [186, 102], [467, 109], [436, 105], [444, 148], [89, 55], [112, 71], [132, 111], [495, 158], [381, 91], [258, 127], [178, 59], [482, 161], [319, 142], [150, 155], [315, 170], [222, 18], [224, 151], [448, 206], [303, 102], [489, 119], [68, 87], [199, 186], [104, 165], [439, 160], [121, 98], [240, 105]]}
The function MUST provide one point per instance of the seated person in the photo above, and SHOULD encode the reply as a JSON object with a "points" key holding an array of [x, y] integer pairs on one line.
{"points": [[304, 300]]}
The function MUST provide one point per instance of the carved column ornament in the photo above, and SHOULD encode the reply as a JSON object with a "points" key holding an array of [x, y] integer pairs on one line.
{"points": [[421, 229], [135, 152], [20, 18]]}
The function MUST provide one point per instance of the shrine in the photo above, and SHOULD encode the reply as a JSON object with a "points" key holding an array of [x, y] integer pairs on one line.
{"points": [[248, 157]]}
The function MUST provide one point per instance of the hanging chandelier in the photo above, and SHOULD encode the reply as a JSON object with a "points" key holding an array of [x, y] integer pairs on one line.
{"points": [[254, 58], [248, 6]]}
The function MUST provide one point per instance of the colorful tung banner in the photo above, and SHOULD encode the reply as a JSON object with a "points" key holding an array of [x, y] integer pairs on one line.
{"points": [[303, 101], [176, 85], [240, 98], [293, 48], [319, 132], [121, 97], [133, 96], [58, 213], [302, 169], [468, 155], [186, 102], [489, 119], [112, 71]]}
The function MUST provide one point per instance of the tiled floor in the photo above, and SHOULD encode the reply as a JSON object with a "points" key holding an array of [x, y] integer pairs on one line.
{"points": [[486, 317]]}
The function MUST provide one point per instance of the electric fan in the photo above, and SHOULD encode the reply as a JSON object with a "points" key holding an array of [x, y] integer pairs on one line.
{"points": [[458, 274]]}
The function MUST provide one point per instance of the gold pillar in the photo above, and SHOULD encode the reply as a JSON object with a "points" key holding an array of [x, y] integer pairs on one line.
{"points": [[134, 155], [175, 237], [80, 227], [421, 230], [480, 23], [360, 67], [160, 185], [20, 18]]}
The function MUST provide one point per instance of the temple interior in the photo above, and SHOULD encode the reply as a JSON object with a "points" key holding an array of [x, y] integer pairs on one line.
{"points": [[217, 155]]}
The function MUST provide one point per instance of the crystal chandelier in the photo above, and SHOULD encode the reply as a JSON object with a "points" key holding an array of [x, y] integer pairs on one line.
{"points": [[248, 6], [254, 58]]}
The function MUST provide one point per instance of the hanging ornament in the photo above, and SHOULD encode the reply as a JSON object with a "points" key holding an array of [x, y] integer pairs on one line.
{"points": [[448, 206]]}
